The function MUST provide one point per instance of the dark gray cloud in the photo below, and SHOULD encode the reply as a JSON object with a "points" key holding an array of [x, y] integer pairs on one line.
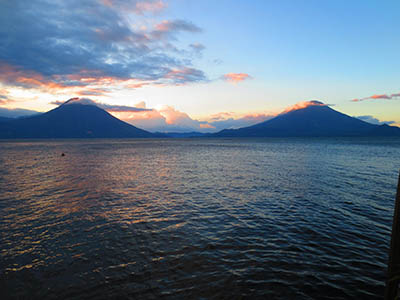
{"points": [[373, 120], [52, 40]]}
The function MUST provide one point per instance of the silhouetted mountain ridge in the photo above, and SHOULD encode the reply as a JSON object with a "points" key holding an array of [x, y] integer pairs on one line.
{"points": [[74, 120], [314, 120]]}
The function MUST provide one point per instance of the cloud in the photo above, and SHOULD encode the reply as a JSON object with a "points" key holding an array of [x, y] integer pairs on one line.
{"points": [[380, 96], [217, 61], [138, 7], [180, 76], [228, 121], [236, 77], [56, 44], [108, 107], [4, 98], [197, 47], [373, 120], [149, 6], [165, 119], [303, 104], [169, 119], [13, 75], [16, 112], [93, 92], [167, 27]]}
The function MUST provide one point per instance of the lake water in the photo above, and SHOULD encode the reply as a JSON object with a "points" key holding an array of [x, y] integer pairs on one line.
{"points": [[196, 218]]}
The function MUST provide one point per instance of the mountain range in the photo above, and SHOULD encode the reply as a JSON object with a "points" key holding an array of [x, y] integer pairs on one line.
{"points": [[78, 120]]}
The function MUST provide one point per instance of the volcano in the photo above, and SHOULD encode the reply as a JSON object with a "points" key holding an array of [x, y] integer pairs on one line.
{"points": [[71, 120], [313, 120]]}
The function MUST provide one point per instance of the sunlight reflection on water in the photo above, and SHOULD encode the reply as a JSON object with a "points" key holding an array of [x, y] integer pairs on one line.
{"points": [[196, 218]]}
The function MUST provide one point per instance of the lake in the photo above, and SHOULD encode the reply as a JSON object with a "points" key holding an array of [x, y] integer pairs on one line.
{"points": [[196, 218]]}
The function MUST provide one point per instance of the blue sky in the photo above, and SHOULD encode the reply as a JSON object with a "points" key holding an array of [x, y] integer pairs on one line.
{"points": [[195, 63]]}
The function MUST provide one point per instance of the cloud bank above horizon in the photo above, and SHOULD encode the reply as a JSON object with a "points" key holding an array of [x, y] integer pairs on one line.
{"points": [[169, 119]]}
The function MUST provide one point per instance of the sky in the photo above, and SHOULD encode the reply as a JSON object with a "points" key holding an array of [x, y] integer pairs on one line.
{"points": [[186, 65]]}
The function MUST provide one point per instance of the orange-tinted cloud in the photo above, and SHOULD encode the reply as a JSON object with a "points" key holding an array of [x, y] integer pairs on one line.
{"points": [[236, 77], [164, 119], [380, 96], [4, 98], [207, 126], [82, 83], [29, 79], [303, 104]]}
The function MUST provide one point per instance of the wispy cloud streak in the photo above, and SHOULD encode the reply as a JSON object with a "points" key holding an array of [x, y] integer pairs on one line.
{"points": [[380, 96], [236, 77]]}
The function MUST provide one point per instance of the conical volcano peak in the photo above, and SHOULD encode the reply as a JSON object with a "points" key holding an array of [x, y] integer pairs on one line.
{"points": [[303, 104], [77, 100], [316, 102]]}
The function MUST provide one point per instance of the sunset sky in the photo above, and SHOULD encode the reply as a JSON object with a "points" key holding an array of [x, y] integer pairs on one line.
{"points": [[201, 65]]}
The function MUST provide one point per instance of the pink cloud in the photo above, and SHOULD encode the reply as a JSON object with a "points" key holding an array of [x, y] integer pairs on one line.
{"points": [[236, 77], [206, 125], [378, 96], [139, 7], [150, 6]]}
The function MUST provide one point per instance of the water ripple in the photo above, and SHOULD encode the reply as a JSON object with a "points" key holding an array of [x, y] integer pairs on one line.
{"points": [[213, 219]]}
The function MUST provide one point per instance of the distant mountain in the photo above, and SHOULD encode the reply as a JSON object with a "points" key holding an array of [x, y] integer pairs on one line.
{"points": [[183, 134], [317, 120], [71, 120]]}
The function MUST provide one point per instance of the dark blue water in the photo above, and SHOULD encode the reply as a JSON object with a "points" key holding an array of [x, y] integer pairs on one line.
{"points": [[211, 219]]}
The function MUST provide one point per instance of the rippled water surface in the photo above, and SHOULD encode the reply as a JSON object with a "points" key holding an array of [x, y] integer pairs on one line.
{"points": [[222, 219]]}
